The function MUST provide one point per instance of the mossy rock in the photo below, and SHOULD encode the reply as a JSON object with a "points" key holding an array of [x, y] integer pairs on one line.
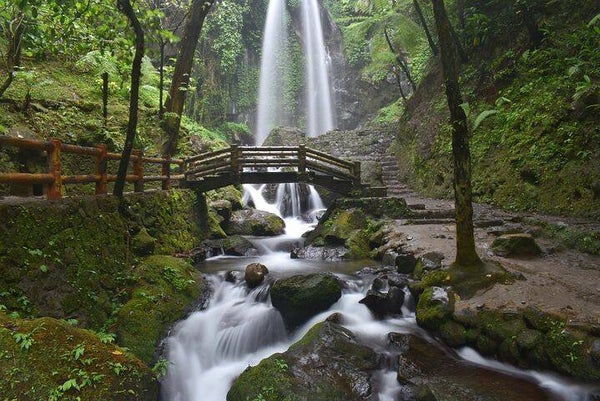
{"points": [[301, 297], [516, 245], [255, 222], [387, 207], [230, 194], [338, 370], [48, 359], [167, 288], [453, 333], [435, 307], [142, 243]]}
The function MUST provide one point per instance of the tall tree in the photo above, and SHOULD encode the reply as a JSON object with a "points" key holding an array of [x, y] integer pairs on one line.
{"points": [[136, 74], [182, 72], [432, 44], [13, 28], [466, 254]]}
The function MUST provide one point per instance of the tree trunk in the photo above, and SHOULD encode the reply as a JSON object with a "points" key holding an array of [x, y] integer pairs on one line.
{"points": [[466, 255], [14, 35], [402, 65], [181, 76], [105, 96], [161, 82], [536, 36], [136, 73], [432, 44], [460, 13]]}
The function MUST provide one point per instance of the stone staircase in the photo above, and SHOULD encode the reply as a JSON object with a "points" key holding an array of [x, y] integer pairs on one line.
{"points": [[372, 145]]}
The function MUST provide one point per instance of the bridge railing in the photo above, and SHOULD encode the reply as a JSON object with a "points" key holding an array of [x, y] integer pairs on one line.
{"points": [[54, 179], [237, 160]]}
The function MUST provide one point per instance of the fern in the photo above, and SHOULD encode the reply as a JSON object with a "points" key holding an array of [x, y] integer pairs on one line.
{"points": [[482, 116]]}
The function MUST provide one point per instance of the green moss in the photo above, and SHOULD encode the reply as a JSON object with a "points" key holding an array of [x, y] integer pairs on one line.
{"points": [[166, 288], [48, 359], [268, 381], [431, 312]]}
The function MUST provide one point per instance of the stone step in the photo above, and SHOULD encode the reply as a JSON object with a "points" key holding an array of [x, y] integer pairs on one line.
{"points": [[428, 221]]}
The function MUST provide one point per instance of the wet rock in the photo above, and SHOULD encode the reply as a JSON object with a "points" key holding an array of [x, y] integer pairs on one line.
{"points": [[255, 222], [595, 352], [452, 379], [404, 262], [301, 297], [223, 208], [236, 245], [255, 274], [143, 244], [326, 253], [516, 245], [232, 276], [453, 333], [328, 363], [427, 263]]}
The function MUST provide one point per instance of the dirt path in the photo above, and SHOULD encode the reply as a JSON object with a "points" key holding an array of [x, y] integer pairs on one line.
{"points": [[563, 281]]}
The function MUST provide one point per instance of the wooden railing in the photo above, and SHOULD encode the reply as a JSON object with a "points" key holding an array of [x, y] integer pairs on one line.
{"points": [[53, 180], [237, 160]]}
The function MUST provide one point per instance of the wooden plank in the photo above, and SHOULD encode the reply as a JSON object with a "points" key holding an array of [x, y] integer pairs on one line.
{"points": [[268, 148], [328, 170], [313, 152], [80, 179], [79, 150], [26, 178], [23, 143], [204, 168], [206, 155]]}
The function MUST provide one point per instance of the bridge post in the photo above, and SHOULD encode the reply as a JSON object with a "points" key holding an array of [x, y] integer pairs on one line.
{"points": [[356, 173], [138, 170], [54, 188], [166, 172], [235, 161], [100, 170], [302, 158]]}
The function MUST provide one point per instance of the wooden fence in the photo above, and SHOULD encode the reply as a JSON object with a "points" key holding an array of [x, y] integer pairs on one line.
{"points": [[53, 180]]}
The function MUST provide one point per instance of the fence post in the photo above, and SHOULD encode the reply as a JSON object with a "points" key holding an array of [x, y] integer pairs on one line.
{"points": [[138, 170], [166, 172], [356, 173], [302, 158], [100, 169], [235, 160], [54, 189]]}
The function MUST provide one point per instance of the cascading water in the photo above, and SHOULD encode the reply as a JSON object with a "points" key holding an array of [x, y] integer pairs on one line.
{"points": [[320, 115], [274, 69]]}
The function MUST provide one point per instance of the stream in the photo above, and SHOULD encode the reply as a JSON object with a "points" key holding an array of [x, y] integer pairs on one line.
{"points": [[240, 327]]}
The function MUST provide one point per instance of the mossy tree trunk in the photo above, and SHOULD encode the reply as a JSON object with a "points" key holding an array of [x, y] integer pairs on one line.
{"points": [[181, 75], [432, 44], [13, 31], [136, 74], [466, 255]]}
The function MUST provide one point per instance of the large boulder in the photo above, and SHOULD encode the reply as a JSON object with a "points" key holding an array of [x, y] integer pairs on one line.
{"points": [[236, 245], [255, 222], [255, 274], [328, 363], [424, 368], [298, 298], [516, 245]]}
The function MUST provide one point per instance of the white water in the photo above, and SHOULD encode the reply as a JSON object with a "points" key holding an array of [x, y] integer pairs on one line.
{"points": [[320, 115], [274, 71]]}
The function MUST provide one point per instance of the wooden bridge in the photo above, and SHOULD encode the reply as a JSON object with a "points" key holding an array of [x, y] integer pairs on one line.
{"points": [[272, 165], [203, 172]]}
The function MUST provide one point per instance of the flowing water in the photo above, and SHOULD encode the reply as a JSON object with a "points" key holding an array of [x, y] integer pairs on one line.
{"points": [[240, 327], [274, 71], [320, 113]]}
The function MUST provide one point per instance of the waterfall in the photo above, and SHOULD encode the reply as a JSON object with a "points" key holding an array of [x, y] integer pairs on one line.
{"points": [[320, 108], [274, 70]]}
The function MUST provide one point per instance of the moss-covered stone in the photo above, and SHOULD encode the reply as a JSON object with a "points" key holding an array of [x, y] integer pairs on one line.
{"points": [[166, 289], [338, 370], [516, 245], [388, 207], [255, 222], [453, 333], [300, 297], [142, 243], [48, 359], [435, 307]]}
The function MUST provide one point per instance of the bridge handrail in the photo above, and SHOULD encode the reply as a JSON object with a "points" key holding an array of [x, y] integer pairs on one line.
{"points": [[247, 157], [53, 179]]}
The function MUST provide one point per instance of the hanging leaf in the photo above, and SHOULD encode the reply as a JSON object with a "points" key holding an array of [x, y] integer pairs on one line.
{"points": [[482, 116]]}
